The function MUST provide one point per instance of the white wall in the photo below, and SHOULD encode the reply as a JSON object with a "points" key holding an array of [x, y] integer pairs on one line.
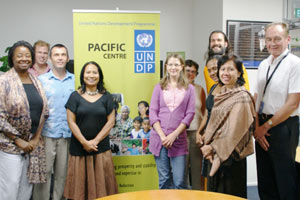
{"points": [[204, 22], [252, 10], [52, 20], [185, 24]]}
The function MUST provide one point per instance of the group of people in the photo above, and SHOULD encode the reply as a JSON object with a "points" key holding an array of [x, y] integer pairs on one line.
{"points": [[50, 130], [128, 128], [224, 131]]}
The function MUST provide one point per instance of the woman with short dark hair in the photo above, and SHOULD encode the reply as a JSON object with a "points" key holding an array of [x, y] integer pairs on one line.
{"points": [[228, 135], [23, 110]]}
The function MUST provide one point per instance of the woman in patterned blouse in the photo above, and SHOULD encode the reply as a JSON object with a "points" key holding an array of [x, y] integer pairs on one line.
{"points": [[23, 110]]}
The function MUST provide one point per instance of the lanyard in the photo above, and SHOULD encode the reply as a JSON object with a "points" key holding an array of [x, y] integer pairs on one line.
{"points": [[269, 79]]}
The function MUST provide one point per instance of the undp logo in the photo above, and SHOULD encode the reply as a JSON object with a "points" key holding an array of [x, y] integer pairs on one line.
{"points": [[144, 40], [144, 51]]}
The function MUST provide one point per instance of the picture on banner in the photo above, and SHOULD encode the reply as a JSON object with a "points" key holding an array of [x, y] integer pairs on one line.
{"points": [[129, 147], [132, 136]]}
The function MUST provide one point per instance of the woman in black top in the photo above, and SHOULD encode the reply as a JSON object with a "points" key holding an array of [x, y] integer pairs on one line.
{"points": [[90, 116]]}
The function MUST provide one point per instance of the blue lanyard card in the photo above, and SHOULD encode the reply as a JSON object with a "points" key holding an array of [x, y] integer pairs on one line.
{"points": [[261, 107]]}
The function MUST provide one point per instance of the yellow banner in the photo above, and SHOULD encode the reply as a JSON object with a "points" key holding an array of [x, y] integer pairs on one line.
{"points": [[125, 45], [135, 173]]}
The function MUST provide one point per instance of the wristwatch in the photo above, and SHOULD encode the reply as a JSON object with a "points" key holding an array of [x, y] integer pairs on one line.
{"points": [[270, 122]]}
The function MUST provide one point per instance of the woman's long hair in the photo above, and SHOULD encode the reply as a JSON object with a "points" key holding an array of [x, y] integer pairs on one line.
{"points": [[100, 85], [182, 80]]}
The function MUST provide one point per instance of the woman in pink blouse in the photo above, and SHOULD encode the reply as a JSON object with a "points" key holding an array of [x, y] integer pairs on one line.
{"points": [[172, 109]]}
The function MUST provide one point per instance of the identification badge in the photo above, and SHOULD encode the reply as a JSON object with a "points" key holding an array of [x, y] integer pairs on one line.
{"points": [[261, 107]]}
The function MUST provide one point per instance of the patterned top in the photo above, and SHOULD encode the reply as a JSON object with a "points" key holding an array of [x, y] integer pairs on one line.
{"points": [[57, 92], [123, 130], [15, 119]]}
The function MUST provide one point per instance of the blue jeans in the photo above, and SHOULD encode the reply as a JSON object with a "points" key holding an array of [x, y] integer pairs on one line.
{"points": [[171, 170]]}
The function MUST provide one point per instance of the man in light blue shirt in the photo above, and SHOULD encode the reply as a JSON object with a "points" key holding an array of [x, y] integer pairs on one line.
{"points": [[58, 84]]}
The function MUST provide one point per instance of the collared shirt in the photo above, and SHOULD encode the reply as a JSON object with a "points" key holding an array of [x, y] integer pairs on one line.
{"points": [[284, 81], [57, 92], [32, 70]]}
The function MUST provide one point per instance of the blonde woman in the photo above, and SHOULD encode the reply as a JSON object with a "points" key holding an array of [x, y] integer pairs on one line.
{"points": [[172, 109]]}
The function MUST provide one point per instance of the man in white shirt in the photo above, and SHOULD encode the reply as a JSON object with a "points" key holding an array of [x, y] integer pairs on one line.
{"points": [[277, 98]]}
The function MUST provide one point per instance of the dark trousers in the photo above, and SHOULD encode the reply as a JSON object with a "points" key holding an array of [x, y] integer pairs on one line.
{"points": [[276, 169]]}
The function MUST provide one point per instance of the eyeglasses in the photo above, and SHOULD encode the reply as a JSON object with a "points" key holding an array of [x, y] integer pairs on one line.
{"points": [[175, 65]]}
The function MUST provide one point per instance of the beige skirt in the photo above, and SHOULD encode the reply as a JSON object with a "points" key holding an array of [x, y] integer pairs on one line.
{"points": [[90, 177]]}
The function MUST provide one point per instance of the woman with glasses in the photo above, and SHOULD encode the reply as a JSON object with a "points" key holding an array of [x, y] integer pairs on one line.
{"points": [[194, 159], [172, 109]]}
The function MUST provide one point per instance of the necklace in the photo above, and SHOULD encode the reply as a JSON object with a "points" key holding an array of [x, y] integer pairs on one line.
{"points": [[92, 93]]}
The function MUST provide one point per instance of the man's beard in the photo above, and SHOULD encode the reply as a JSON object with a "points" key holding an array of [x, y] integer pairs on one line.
{"points": [[221, 52]]}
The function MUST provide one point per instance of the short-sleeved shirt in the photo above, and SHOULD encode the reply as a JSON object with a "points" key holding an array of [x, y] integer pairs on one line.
{"points": [[57, 92], [90, 118], [284, 81], [135, 134], [144, 134], [133, 151]]}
